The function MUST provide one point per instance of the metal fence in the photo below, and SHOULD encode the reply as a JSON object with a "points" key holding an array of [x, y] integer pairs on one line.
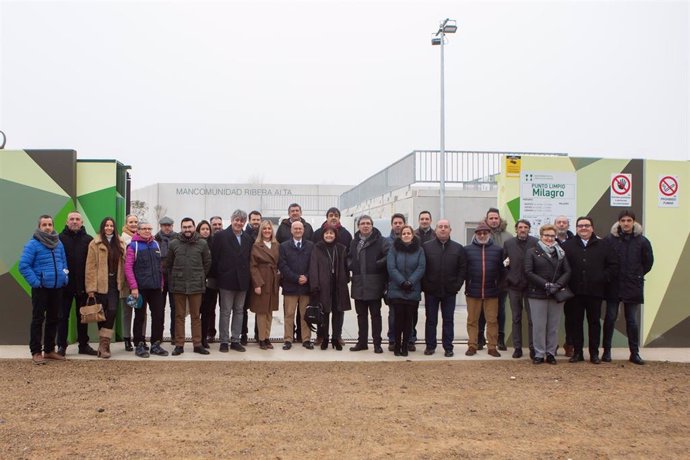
{"points": [[468, 169]]}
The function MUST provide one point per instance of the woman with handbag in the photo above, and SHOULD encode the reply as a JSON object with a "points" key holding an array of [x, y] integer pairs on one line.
{"points": [[548, 272], [406, 266], [328, 279], [105, 278], [263, 266]]}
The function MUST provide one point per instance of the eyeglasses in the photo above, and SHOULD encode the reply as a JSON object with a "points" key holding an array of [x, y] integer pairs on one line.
{"points": [[146, 229], [548, 236], [584, 225]]}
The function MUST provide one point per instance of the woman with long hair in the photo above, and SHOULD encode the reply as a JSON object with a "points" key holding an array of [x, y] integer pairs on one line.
{"points": [[406, 265], [105, 278], [208, 299], [328, 278], [263, 266], [128, 230]]}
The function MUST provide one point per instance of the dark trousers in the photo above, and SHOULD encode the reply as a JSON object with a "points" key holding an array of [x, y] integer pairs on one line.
{"points": [[171, 302], [518, 302], [46, 305], [403, 322], [338, 318], [501, 319], [156, 302], [447, 304], [569, 317], [364, 308], [412, 335], [632, 324], [63, 327], [591, 307], [208, 313], [109, 302], [245, 318]]}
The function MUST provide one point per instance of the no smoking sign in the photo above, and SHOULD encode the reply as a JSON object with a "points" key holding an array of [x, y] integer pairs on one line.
{"points": [[668, 191], [621, 190]]}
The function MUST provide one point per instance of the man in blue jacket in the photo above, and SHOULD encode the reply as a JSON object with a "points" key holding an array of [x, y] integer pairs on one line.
{"points": [[43, 265]]}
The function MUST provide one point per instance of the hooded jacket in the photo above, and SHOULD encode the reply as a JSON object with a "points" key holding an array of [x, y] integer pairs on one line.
{"points": [[635, 259], [76, 248], [368, 265], [188, 262], [500, 235]]}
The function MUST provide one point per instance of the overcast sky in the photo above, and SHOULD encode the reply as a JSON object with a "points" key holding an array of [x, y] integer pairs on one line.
{"points": [[330, 92]]}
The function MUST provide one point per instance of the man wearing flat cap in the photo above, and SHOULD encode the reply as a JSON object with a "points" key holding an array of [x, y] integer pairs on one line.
{"points": [[164, 236]]}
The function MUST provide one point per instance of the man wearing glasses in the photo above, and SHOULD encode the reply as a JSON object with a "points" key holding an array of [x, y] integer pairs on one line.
{"points": [[593, 265]]}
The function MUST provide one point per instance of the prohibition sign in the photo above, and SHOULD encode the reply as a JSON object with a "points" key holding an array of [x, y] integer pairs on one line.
{"points": [[668, 186], [620, 185]]}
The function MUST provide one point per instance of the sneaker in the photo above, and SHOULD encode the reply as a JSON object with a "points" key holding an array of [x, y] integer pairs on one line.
{"points": [[86, 350], [157, 350], [141, 351], [178, 351], [53, 355], [37, 358], [237, 346], [223, 348]]}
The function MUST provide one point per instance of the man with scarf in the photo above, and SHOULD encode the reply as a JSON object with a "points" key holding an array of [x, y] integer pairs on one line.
{"points": [[594, 264], [76, 241], [164, 237], [43, 265]]}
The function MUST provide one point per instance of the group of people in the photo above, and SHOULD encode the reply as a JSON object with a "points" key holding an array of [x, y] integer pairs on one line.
{"points": [[244, 267]]}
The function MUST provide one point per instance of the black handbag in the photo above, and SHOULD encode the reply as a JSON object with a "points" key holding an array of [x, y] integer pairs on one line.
{"points": [[563, 294], [314, 316]]}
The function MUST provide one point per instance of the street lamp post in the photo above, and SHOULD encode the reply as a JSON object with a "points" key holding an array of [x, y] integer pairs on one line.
{"points": [[448, 26]]}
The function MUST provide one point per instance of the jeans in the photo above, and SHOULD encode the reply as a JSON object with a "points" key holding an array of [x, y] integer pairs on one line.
{"points": [[518, 301], [46, 305], [501, 318], [632, 324], [363, 309], [447, 304], [231, 304], [63, 324]]}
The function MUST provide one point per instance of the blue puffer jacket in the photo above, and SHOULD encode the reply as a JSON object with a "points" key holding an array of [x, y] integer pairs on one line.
{"points": [[405, 263], [42, 267], [484, 269]]}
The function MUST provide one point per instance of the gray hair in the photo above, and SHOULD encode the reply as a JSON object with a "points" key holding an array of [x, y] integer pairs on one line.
{"points": [[238, 213], [141, 223]]}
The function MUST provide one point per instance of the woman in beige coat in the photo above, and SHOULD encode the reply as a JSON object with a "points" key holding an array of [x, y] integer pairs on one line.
{"points": [[265, 281], [105, 278]]}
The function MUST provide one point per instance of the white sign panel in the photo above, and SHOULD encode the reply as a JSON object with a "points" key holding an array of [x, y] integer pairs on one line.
{"points": [[668, 191], [547, 195], [621, 190]]}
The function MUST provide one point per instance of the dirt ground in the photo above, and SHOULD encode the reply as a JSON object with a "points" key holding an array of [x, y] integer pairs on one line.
{"points": [[453, 409]]}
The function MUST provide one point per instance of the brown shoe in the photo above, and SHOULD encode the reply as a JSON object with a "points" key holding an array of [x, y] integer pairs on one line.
{"points": [[493, 352], [318, 341], [568, 350], [54, 355], [37, 358], [471, 351]]}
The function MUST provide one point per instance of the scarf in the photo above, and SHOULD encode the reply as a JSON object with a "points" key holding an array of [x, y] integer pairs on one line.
{"points": [[49, 240], [550, 250], [126, 230]]}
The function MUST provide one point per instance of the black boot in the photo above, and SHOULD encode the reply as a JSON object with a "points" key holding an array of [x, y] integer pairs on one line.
{"points": [[336, 344], [481, 341], [128, 344], [502, 342]]}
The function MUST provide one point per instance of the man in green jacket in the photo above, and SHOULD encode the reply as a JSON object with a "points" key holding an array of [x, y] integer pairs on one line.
{"points": [[188, 262]]}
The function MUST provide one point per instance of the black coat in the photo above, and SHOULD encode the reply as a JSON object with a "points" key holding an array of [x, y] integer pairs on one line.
{"points": [[76, 249], [446, 265], [541, 268], [593, 266], [292, 263], [328, 277], [635, 258], [284, 232], [515, 249], [230, 261], [484, 269], [368, 266]]}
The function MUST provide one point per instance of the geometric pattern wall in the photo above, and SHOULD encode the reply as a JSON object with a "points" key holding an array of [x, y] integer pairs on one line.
{"points": [[666, 312], [35, 182]]}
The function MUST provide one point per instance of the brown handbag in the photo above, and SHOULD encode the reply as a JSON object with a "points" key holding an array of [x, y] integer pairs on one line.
{"points": [[92, 313]]}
